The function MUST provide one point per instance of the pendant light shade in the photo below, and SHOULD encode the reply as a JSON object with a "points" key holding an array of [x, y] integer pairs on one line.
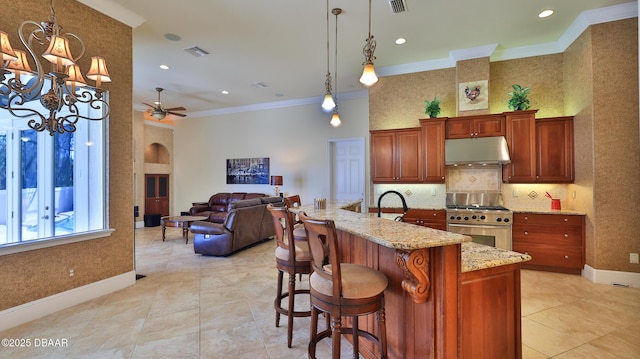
{"points": [[369, 76], [328, 104], [335, 119]]}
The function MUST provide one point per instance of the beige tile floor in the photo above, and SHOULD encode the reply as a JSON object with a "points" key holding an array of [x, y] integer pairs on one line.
{"points": [[190, 306]]}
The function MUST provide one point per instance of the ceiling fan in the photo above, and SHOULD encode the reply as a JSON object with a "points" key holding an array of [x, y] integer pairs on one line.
{"points": [[158, 112]]}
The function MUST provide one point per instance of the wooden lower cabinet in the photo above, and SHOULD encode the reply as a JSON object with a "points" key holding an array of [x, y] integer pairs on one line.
{"points": [[555, 242], [490, 313], [433, 218]]}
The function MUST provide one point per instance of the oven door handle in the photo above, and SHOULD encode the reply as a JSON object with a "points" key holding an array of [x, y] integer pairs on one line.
{"points": [[477, 226]]}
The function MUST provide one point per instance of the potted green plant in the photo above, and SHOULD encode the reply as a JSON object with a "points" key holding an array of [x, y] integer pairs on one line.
{"points": [[432, 108], [519, 100]]}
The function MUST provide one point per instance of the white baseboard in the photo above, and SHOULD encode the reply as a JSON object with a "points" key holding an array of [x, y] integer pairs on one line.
{"points": [[611, 277], [27, 312], [139, 224]]}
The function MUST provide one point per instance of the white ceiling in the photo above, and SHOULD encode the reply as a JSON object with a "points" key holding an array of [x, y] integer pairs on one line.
{"points": [[283, 43]]}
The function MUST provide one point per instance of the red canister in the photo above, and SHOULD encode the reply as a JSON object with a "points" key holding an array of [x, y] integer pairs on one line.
{"points": [[555, 204]]}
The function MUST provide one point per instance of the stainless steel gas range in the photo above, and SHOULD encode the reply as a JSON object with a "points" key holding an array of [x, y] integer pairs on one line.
{"points": [[480, 216]]}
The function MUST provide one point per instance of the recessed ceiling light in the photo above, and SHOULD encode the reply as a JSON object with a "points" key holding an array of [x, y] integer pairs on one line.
{"points": [[164, 67], [225, 92], [172, 37], [400, 41], [545, 13]]}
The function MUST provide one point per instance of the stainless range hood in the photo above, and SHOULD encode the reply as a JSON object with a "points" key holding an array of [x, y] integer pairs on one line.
{"points": [[477, 151]]}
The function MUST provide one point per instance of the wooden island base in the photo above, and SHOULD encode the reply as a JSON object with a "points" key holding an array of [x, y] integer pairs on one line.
{"points": [[482, 305]]}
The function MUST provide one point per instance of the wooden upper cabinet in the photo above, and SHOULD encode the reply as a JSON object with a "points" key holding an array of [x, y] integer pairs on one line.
{"points": [[396, 155], [520, 134], [541, 150], [554, 141], [475, 126], [433, 137]]}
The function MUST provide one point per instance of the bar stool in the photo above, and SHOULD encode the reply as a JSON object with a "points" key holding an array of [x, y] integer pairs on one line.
{"points": [[299, 233], [292, 257], [341, 290]]}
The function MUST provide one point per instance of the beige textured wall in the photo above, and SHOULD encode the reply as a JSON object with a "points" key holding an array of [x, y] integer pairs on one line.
{"points": [[578, 90], [595, 80], [35, 274], [616, 142]]}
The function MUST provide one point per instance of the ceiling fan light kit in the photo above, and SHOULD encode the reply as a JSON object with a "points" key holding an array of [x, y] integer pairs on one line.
{"points": [[158, 112]]}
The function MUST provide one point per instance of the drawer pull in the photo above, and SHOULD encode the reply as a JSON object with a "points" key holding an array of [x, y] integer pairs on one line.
{"points": [[566, 257], [435, 214], [526, 218], [566, 219], [526, 233], [566, 235]]}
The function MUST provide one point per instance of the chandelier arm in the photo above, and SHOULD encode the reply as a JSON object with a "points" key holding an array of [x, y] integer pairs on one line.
{"points": [[39, 83]]}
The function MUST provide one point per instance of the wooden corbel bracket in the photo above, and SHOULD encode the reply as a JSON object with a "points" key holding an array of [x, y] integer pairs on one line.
{"points": [[415, 264]]}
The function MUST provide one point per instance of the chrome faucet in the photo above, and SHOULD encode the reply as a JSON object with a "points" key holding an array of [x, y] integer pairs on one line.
{"points": [[404, 203]]}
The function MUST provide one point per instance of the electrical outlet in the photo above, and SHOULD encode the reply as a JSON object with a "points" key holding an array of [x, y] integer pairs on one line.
{"points": [[71, 272], [433, 191], [515, 193], [574, 194], [634, 258]]}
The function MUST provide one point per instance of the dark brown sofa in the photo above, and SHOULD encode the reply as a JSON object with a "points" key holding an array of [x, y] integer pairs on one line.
{"points": [[218, 205], [247, 222]]}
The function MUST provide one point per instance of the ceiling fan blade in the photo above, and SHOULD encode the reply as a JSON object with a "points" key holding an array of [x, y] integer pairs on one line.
{"points": [[176, 109], [176, 114], [144, 103]]}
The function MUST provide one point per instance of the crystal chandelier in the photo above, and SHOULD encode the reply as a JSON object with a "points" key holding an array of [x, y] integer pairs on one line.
{"points": [[60, 90]]}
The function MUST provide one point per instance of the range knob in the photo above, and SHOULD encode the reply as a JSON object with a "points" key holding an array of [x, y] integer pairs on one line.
{"points": [[499, 219], [483, 217], [506, 220], [474, 217], [452, 218], [458, 218], [466, 218]]}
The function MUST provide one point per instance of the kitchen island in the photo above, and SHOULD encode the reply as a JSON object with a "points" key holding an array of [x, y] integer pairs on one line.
{"points": [[447, 297]]}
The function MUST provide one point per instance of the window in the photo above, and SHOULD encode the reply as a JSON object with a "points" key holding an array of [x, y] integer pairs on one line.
{"points": [[51, 187]]}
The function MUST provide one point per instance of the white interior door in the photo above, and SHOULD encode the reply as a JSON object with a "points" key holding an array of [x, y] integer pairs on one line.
{"points": [[347, 169]]}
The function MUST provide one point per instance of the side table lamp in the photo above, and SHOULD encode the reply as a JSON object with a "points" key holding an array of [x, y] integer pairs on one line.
{"points": [[276, 181]]}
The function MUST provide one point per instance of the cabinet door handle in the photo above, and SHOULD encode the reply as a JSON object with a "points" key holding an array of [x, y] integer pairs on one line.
{"points": [[527, 253], [566, 235], [566, 257], [526, 233], [526, 218], [435, 214], [566, 219]]}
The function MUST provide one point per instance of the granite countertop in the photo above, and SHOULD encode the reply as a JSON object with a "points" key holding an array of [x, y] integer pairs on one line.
{"points": [[382, 231], [548, 211], [477, 256], [400, 235]]}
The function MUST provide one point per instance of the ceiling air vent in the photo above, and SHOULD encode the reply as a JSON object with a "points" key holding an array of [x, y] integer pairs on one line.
{"points": [[397, 6], [196, 51]]}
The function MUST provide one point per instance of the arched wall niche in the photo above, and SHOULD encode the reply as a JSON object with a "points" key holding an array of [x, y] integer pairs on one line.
{"points": [[156, 153]]}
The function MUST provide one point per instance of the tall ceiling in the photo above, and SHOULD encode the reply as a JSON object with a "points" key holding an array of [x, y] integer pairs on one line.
{"points": [[282, 44]]}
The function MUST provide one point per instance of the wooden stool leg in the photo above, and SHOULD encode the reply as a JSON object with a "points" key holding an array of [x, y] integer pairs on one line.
{"points": [[356, 341], [336, 334], [313, 338], [382, 327], [278, 299], [290, 310]]}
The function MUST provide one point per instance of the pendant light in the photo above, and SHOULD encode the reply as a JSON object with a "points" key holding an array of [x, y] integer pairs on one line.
{"points": [[369, 77], [328, 104], [335, 118]]}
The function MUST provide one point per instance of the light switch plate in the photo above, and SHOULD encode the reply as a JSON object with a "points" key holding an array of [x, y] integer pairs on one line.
{"points": [[634, 258]]}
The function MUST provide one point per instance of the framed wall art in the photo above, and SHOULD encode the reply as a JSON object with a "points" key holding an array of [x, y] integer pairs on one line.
{"points": [[473, 95], [248, 170]]}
